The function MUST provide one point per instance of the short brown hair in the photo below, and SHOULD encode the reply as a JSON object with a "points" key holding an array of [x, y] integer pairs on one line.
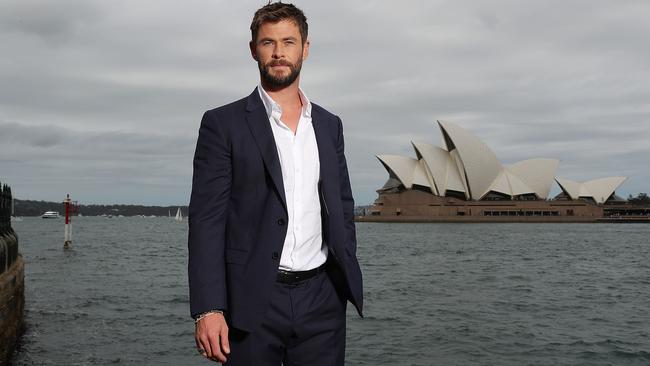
{"points": [[276, 12]]}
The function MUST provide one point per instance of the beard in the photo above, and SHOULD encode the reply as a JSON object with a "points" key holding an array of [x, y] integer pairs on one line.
{"points": [[279, 82]]}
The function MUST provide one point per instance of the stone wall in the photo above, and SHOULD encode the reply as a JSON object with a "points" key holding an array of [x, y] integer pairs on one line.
{"points": [[12, 304], [12, 276]]}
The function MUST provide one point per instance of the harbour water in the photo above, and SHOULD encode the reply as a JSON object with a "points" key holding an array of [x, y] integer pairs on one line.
{"points": [[436, 294]]}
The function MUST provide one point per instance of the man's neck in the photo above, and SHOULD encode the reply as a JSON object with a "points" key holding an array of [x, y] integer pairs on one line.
{"points": [[288, 98]]}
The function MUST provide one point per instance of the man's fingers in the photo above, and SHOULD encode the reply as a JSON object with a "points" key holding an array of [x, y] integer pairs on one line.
{"points": [[205, 345], [216, 349], [211, 334], [199, 347], [225, 345]]}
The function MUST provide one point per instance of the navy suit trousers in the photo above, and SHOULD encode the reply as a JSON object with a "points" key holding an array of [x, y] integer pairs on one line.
{"points": [[304, 325]]}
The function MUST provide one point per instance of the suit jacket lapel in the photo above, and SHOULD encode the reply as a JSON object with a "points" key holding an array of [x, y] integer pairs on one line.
{"points": [[326, 152], [258, 122], [320, 141]]}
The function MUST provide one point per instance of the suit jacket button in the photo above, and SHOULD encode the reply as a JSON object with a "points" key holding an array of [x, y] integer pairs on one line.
{"points": [[275, 256], [281, 221]]}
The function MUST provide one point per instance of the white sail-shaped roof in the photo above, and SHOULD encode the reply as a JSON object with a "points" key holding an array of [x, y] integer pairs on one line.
{"points": [[571, 188], [602, 188], [537, 174], [435, 165], [598, 189], [441, 167], [408, 170], [468, 166], [501, 184], [517, 186], [510, 184], [459, 180], [480, 165], [420, 176]]}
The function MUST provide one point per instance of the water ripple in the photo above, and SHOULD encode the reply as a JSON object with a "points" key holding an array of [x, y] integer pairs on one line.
{"points": [[436, 294]]}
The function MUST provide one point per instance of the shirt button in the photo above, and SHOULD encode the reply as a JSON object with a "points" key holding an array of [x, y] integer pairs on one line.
{"points": [[275, 256], [281, 221]]}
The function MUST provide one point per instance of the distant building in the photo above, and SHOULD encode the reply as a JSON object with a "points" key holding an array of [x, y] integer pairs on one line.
{"points": [[465, 179]]}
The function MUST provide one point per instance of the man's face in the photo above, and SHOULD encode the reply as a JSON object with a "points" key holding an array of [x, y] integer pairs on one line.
{"points": [[279, 52]]}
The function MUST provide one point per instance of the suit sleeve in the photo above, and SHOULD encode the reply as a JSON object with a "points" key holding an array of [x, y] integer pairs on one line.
{"points": [[208, 212], [347, 200]]}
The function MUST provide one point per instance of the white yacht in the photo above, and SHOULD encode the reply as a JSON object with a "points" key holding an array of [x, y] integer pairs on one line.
{"points": [[51, 215]]}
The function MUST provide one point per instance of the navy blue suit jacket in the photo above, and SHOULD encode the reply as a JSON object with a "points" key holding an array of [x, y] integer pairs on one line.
{"points": [[238, 212]]}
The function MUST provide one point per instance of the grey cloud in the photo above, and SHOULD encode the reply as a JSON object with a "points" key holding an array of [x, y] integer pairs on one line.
{"points": [[49, 20], [41, 137], [106, 97], [101, 162]]}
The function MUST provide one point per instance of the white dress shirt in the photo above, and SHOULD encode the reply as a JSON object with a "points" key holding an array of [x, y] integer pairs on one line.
{"points": [[303, 246]]}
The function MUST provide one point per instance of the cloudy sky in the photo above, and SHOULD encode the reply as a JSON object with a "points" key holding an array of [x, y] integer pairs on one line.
{"points": [[103, 99]]}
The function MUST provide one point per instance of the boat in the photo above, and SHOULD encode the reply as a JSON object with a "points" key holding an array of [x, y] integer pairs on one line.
{"points": [[179, 215], [13, 212], [51, 215]]}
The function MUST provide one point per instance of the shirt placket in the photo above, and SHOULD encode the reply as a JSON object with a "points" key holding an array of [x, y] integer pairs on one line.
{"points": [[298, 192], [290, 181], [294, 194]]}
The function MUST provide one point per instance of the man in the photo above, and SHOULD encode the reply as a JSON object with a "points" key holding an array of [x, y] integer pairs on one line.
{"points": [[272, 246]]}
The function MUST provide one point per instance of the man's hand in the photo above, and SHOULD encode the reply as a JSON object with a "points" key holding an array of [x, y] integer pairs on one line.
{"points": [[211, 335]]}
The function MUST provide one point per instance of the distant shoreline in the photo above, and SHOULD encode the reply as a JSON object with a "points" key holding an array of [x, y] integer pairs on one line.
{"points": [[32, 208], [515, 219]]}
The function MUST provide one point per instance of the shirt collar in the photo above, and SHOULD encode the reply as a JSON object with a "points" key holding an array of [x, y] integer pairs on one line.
{"points": [[273, 108]]}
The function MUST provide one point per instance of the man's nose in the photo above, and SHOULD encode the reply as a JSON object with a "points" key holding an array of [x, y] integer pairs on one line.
{"points": [[278, 50]]}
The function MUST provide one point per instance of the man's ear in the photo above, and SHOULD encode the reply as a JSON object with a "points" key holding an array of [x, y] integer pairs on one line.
{"points": [[251, 45], [305, 50]]}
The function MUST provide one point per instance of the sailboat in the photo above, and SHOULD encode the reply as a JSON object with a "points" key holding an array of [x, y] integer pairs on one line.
{"points": [[179, 215], [13, 213]]}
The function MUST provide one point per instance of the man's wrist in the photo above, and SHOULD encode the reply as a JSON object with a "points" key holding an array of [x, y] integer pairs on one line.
{"points": [[206, 314]]}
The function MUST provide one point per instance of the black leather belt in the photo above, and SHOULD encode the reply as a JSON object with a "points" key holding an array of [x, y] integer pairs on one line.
{"points": [[292, 277]]}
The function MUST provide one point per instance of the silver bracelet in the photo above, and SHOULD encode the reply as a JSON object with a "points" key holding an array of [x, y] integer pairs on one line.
{"points": [[203, 315]]}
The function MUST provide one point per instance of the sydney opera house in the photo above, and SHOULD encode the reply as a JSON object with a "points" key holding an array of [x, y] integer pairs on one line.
{"points": [[464, 181]]}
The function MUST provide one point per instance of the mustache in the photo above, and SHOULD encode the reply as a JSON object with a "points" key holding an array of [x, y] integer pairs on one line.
{"points": [[279, 63]]}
